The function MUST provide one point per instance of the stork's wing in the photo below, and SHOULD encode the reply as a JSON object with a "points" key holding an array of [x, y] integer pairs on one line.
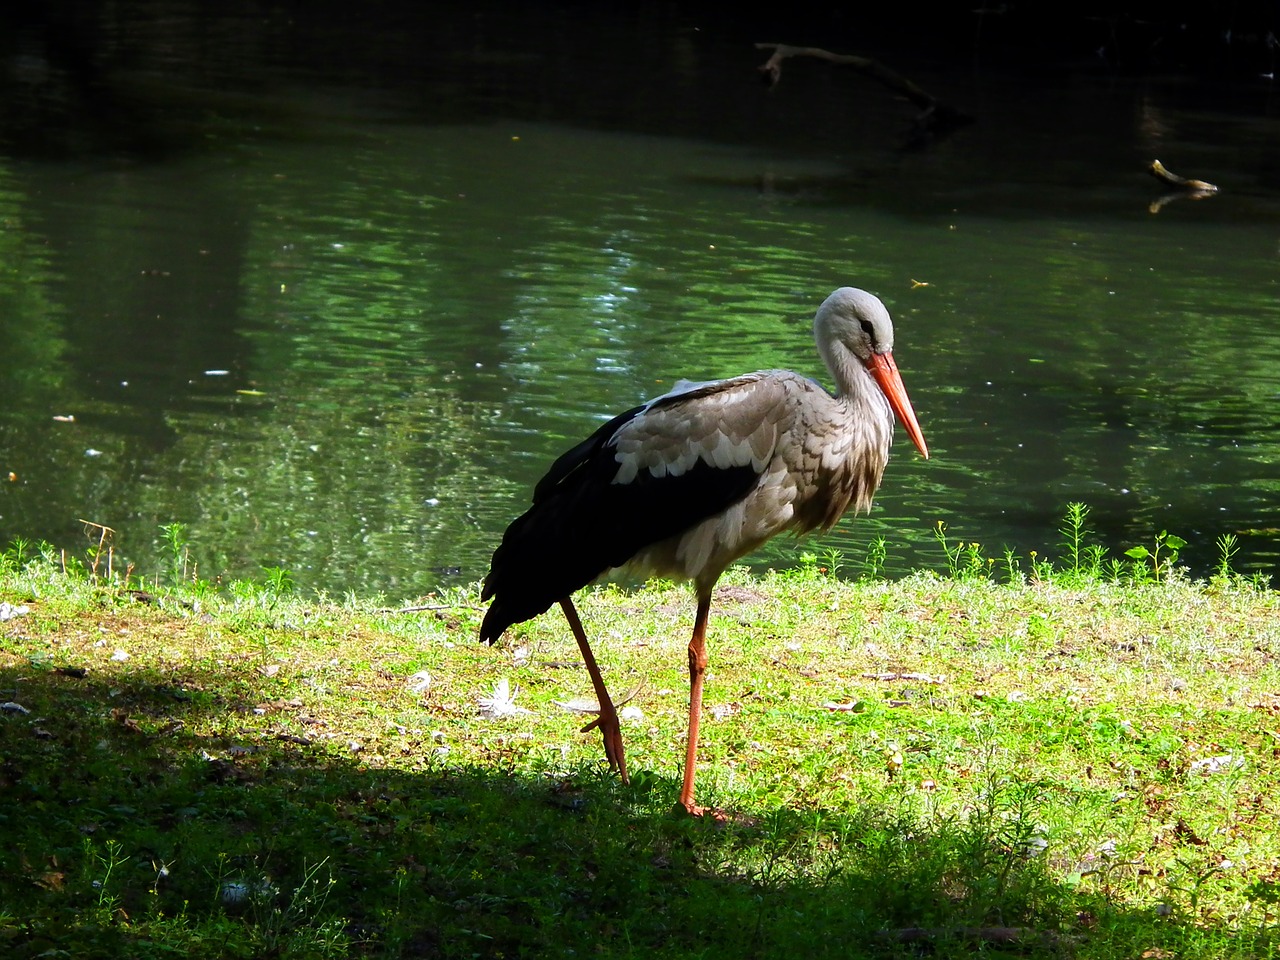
{"points": [[724, 424], [643, 477]]}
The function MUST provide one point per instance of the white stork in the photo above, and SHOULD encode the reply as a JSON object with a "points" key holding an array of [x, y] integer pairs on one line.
{"points": [[684, 485]]}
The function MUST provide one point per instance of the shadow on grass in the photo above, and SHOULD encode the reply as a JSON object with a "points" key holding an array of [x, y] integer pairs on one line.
{"points": [[127, 835]]}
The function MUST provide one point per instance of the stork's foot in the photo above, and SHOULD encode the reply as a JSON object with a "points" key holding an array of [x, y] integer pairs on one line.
{"points": [[695, 810], [611, 732], [717, 815]]}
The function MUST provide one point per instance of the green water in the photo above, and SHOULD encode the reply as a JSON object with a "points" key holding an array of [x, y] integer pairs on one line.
{"points": [[349, 346]]}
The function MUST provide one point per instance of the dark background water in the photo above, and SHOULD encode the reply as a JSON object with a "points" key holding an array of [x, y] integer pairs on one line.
{"points": [[331, 285]]}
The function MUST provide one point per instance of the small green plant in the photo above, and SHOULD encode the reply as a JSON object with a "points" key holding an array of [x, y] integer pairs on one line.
{"points": [[1012, 566], [1116, 569], [303, 921], [952, 554], [1228, 546], [965, 560], [1041, 567], [1083, 562], [1095, 559], [279, 582], [200, 592], [812, 566], [74, 567], [1265, 894], [14, 556], [873, 563], [49, 554], [1073, 530], [245, 592], [1165, 542], [174, 536], [106, 864], [832, 562]]}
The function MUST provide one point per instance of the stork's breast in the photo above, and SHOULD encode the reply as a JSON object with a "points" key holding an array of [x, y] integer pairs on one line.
{"points": [[837, 465]]}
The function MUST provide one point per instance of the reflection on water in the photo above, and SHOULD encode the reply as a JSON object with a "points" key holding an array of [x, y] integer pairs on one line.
{"points": [[351, 353]]}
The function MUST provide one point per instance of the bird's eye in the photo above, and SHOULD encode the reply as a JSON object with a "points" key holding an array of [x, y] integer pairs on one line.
{"points": [[868, 329]]}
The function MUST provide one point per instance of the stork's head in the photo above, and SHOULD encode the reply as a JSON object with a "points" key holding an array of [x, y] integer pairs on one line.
{"points": [[858, 322]]}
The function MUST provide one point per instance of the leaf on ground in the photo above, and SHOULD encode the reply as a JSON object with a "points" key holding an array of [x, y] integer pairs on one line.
{"points": [[1208, 766], [852, 706]]}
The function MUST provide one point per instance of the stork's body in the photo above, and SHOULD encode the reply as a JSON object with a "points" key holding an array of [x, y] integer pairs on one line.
{"points": [[691, 481]]}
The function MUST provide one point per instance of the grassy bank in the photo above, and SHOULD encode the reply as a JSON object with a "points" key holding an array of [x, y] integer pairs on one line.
{"points": [[1076, 761]]}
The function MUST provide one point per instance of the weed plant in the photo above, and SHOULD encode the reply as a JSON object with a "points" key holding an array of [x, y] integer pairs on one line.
{"points": [[1068, 756]]}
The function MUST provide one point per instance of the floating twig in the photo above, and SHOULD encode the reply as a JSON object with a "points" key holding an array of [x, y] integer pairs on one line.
{"points": [[1165, 175], [1183, 187]]}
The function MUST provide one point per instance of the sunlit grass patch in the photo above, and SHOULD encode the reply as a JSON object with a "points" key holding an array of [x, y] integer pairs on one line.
{"points": [[1067, 761]]}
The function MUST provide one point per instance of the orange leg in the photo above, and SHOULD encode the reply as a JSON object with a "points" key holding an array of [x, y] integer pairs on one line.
{"points": [[607, 720], [697, 670]]}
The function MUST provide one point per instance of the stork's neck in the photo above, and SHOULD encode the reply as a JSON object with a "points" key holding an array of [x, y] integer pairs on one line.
{"points": [[843, 365], [854, 384], [855, 388]]}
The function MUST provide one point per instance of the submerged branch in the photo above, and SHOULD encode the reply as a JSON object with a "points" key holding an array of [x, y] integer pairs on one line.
{"points": [[936, 117]]}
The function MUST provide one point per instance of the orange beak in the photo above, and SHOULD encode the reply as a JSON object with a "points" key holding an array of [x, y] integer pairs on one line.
{"points": [[885, 371]]}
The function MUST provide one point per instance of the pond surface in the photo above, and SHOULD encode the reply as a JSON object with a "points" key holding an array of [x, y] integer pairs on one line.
{"points": [[340, 322]]}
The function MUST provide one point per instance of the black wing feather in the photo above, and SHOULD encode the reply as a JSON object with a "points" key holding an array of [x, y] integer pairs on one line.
{"points": [[582, 524], [573, 459]]}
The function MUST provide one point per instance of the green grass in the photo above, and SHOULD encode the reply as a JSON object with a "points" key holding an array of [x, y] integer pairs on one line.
{"points": [[1013, 758]]}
